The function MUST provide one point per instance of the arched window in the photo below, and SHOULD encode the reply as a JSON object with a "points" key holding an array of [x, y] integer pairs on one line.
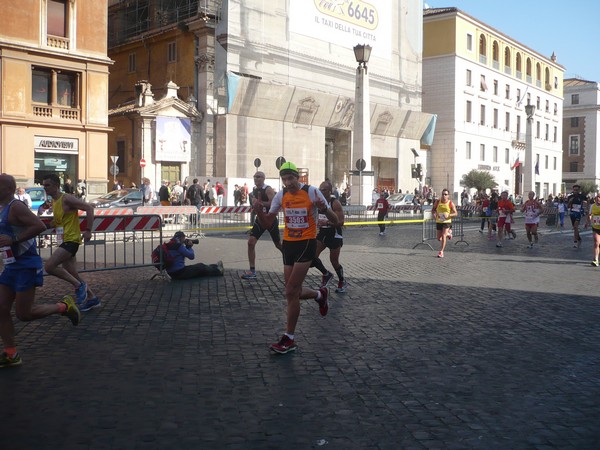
{"points": [[519, 66], [496, 55], [482, 49], [528, 69], [507, 60], [547, 79], [538, 75]]}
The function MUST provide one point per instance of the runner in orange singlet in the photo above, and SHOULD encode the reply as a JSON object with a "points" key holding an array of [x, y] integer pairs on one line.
{"points": [[301, 205]]}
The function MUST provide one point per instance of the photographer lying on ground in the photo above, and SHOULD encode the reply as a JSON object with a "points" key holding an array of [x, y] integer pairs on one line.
{"points": [[181, 248]]}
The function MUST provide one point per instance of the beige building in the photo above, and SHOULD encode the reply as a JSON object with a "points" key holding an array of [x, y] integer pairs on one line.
{"points": [[53, 91], [478, 81], [273, 80], [581, 143]]}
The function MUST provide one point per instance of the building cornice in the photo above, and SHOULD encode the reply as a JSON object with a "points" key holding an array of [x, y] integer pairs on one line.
{"points": [[78, 57]]}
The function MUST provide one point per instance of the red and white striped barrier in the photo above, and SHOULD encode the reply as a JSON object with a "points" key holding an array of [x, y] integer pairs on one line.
{"points": [[110, 212], [124, 223], [113, 211], [167, 210], [225, 209]]}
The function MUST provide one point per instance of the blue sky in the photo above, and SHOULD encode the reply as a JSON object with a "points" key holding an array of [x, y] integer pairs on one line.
{"points": [[570, 29]]}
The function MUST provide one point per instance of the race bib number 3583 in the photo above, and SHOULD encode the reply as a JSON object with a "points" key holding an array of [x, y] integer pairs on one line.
{"points": [[296, 218]]}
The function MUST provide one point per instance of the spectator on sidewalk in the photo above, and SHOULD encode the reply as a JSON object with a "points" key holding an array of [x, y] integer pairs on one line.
{"points": [[163, 194], [24, 197], [147, 191], [220, 190], [237, 196], [177, 194]]}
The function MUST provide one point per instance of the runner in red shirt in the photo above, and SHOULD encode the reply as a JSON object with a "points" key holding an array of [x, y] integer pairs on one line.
{"points": [[505, 218], [381, 207]]}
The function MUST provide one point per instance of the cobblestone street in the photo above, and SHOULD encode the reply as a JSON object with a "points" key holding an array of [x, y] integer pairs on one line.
{"points": [[486, 348]]}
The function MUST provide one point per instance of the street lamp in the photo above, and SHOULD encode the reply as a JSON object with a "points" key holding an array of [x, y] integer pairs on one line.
{"points": [[529, 174], [362, 124], [362, 53]]}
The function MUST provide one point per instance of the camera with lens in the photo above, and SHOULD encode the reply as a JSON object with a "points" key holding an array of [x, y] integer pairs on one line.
{"points": [[190, 242]]}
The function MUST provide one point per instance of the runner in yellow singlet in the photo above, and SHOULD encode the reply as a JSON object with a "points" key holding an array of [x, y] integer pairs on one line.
{"points": [[62, 263], [594, 219]]}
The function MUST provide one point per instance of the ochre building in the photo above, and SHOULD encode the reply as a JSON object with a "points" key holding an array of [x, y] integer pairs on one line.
{"points": [[54, 91]]}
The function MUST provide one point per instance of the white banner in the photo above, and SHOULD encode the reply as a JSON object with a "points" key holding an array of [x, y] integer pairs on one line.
{"points": [[47, 144], [173, 139], [345, 22]]}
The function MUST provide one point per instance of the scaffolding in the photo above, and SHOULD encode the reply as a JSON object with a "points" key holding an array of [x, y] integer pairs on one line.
{"points": [[128, 19]]}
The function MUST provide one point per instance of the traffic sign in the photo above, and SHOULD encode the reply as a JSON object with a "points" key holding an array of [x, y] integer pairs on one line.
{"points": [[279, 162], [114, 170], [257, 163], [142, 162], [114, 159], [361, 164]]}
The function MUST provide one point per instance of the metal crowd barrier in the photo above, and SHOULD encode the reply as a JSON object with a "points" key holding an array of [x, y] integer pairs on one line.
{"points": [[429, 231], [118, 242], [186, 218], [458, 229], [196, 221], [356, 215]]}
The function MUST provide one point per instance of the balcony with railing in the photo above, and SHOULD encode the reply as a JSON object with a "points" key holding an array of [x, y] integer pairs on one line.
{"points": [[56, 112], [519, 140], [59, 42]]}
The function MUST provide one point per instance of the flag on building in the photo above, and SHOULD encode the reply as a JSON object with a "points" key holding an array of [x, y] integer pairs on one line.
{"points": [[516, 164]]}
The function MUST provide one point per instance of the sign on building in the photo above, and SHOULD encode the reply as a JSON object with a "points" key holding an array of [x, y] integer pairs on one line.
{"points": [[173, 139]]}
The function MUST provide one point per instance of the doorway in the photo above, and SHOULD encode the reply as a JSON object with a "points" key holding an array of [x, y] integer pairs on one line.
{"points": [[337, 157], [170, 172]]}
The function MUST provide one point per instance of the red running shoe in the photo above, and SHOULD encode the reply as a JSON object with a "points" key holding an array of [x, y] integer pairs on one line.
{"points": [[284, 345], [323, 304]]}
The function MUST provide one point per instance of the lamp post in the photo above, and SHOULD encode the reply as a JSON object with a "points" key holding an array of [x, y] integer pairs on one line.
{"points": [[362, 122], [529, 173]]}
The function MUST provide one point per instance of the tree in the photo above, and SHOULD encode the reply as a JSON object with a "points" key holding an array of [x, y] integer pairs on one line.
{"points": [[587, 186], [478, 179]]}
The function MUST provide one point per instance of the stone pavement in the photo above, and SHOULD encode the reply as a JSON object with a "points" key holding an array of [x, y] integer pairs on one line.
{"points": [[487, 348]]}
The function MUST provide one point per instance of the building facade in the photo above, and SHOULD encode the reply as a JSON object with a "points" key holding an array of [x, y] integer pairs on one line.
{"points": [[581, 155], [53, 91], [479, 81], [277, 80]]}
